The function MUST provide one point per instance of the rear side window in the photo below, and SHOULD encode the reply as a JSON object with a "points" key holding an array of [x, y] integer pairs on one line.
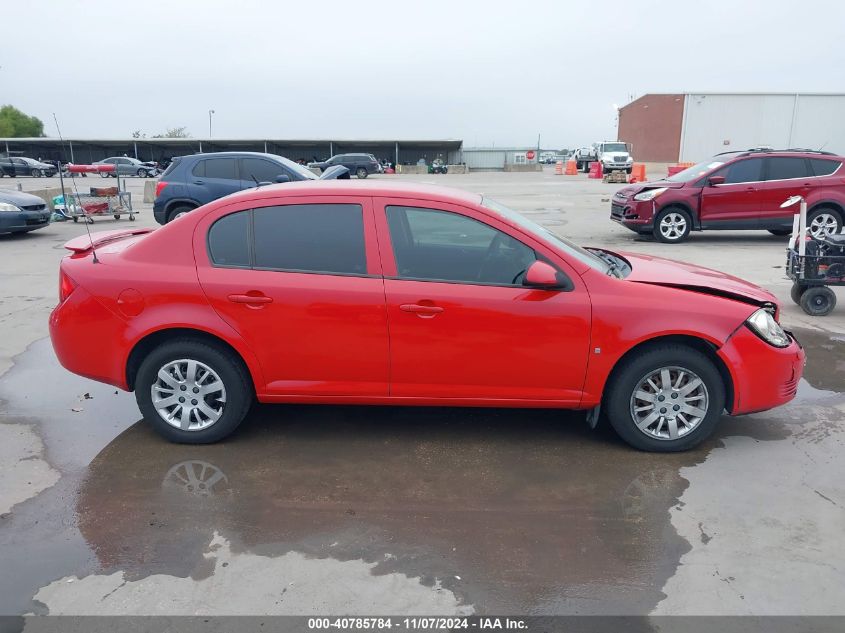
{"points": [[786, 167], [228, 240], [747, 170], [823, 167], [220, 168], [261, 170], [326, 238]]}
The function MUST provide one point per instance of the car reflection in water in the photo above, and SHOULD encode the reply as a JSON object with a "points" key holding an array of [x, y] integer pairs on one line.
{"points": [[530, 509]]}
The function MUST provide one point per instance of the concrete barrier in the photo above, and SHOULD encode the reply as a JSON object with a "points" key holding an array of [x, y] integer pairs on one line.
{"points": [[523, 167], [411, 169]]}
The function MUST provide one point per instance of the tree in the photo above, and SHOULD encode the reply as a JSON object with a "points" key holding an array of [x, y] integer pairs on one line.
{"points": [[14, 123], [174, 132], [138, 134]]}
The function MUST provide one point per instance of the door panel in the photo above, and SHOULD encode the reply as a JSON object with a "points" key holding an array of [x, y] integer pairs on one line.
{"points": [[785, 176], [314, 333], [736, 203], [213, 178], [476, 340]]}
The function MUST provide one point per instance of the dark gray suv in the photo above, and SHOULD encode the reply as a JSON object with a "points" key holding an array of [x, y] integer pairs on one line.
{"points": [[192, 181], [362, 165]]}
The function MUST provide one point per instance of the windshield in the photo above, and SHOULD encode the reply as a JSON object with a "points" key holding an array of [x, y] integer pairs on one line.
{"points": [[614, 147], [543, 233], [300, 170], [696, 171]]}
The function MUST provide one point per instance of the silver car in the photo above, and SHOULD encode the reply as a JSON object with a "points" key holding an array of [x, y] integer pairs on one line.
{"points": [[125, 166]]}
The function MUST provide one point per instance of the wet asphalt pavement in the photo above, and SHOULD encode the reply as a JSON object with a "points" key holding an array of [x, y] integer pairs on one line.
{"points": [[493, 510]]}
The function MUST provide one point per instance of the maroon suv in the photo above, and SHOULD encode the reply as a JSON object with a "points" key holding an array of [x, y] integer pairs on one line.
{"points": [[738, 190]]}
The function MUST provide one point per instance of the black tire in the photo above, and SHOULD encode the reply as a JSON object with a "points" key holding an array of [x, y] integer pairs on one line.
{"points": [[361, 172], [626, 379], [75, 219], [629, 170], [175, 211], [116, 216], [818, 301], [780, 232], [142, 173], [796, 291], [666, 235], [36, 173], [236, 381], [829, 212]]}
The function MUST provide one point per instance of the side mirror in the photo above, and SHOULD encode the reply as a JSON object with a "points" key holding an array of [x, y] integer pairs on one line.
{"points": [[541, 275], [282, 178], [716, 180]]}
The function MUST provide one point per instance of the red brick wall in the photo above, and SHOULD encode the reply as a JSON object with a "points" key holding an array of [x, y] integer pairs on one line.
{"points": [[653, 124]]}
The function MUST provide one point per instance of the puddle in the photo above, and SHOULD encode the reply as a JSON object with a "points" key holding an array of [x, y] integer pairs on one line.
{"points": [[500, 511]]}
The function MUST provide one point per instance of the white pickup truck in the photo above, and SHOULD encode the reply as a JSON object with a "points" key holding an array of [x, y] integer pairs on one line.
{"points": [[613, 156]]}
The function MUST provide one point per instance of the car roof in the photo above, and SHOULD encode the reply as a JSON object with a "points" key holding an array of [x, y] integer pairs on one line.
{"points": [[380, 188], [227, 155]]}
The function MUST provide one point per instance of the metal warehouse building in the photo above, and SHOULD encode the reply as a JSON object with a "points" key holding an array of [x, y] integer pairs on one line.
{"points": [[690, 127]]}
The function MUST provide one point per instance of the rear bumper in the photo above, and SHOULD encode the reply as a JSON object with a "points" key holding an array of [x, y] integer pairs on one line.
{"points": [[78, 328], [764, 376]]}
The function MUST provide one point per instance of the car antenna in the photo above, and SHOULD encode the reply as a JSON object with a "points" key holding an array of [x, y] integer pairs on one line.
{"points": [[823, 145], [255, 180], [64, 196]]}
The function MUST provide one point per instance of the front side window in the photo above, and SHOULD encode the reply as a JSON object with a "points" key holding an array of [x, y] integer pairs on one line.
{"points": [[224, 168], [745, 170], [327, 238], [435, 245], [260, 170], [787, 167]]}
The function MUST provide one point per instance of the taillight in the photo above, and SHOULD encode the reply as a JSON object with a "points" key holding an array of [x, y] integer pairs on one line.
{"points": [[66, 286], [160, 185]]}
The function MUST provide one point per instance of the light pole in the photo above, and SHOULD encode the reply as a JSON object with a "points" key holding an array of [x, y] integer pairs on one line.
{"points": [[210, 112]]}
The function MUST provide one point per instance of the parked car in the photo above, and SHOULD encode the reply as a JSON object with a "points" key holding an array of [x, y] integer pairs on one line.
{"points": [[125, 166], [192, 181], [392, 293], [362, 165], [737, 190], [22, 212], [21, 166]]}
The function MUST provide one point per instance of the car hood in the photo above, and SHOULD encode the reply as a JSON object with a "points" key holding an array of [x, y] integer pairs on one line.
{"points": [[19, 198], [666, 272], [632, 190]]}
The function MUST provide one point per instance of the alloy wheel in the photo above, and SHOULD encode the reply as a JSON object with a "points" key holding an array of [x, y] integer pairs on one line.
{"points": [[673, 226], [188, 395], [669, 403], [823, 224]]}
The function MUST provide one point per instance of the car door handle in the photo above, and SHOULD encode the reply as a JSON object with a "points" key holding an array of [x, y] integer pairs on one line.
{"points": [[199, 182], [251, 300], [421, 310]]}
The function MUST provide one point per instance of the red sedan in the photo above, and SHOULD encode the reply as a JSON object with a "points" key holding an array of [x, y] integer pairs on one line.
{"points": [[374, 293]]}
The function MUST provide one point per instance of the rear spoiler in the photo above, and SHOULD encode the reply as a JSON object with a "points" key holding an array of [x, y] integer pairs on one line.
{"points": [[85, 243]]}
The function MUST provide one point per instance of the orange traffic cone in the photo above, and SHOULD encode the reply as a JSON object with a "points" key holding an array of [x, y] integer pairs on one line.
{"points": [[559, 168], [571, 168]]}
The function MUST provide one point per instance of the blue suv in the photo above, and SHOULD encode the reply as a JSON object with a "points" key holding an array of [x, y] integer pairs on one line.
{"points": [[192, 181]]}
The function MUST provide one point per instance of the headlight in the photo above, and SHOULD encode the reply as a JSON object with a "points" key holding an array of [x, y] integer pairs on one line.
{"points": [[651, 194], [5, 206], [764, 325]]}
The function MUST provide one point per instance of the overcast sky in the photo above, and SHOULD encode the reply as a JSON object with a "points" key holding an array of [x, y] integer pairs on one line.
{"points": [[485, 72]]}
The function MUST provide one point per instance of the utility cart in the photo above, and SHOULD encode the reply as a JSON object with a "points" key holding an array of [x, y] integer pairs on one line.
{"points": [[99, 202], [814, 265]]}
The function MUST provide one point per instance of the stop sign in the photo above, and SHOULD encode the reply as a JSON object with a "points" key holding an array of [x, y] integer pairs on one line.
{"points": [[529, 154]]}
